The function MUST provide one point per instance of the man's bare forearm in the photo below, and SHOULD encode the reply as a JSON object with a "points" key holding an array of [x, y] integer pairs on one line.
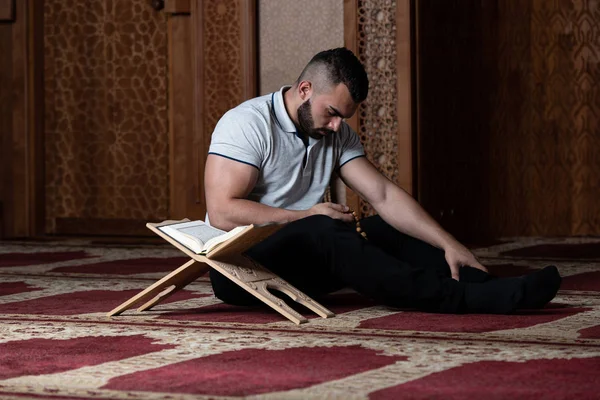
{"points": [[404, 213], [236, 212]]}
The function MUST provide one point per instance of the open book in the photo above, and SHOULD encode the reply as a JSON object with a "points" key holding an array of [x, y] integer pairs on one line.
{"points": [[198, 236]]}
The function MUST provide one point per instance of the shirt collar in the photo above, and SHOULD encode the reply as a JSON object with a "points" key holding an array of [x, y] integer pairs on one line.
{"points": [[283, 119]]}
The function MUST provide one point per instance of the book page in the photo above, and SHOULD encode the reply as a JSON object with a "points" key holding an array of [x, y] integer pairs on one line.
{"points": [[203, 233], [192, 234]]}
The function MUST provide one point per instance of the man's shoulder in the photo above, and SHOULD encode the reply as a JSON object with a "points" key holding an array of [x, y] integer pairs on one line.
{"points": [[251, 119], [256, 109]]}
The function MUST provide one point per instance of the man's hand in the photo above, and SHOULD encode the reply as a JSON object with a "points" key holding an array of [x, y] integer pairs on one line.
{"points": [[333, 210], [457, 256]]}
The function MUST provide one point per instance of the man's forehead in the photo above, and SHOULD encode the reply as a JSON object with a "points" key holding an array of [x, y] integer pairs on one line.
{"points": [[340, 99]]}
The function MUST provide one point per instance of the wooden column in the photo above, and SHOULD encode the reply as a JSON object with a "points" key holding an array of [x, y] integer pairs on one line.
{"points": [[212, 59], [21, 119], [181, 110], [404, 93], [7, 10]]}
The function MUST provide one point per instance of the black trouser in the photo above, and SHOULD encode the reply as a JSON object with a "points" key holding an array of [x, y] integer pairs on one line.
{"points": [[319, 255]]}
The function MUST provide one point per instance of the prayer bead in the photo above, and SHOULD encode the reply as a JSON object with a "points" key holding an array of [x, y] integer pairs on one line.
{"points": [[358, 227]]}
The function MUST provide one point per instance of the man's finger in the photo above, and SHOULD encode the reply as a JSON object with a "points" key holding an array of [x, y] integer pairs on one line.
{"points": [[455, 276], [480, 266], [455, 270], [346, 217], [339, 207]]}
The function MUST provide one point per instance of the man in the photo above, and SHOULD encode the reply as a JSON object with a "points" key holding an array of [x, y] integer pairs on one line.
{"points": [[271, 160]]}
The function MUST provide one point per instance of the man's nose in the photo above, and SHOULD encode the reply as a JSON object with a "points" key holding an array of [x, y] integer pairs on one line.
{"points": [[335, 123]]}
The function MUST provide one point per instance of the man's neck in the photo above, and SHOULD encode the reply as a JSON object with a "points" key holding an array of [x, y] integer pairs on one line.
{"points": [[291, 104]]}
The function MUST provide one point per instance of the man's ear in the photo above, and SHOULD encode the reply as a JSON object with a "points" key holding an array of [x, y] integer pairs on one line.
{"points": [[305, 89]]}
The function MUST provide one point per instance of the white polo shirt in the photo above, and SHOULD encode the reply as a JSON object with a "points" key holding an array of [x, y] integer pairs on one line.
{"points": [[292, 175]]}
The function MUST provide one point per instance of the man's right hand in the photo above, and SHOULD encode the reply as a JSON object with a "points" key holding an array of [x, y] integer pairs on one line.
{"points": [[333, 210]]}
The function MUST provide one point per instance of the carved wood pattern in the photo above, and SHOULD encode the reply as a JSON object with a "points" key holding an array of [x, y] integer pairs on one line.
{"points": [[223, 59], [546, 132], [106, 111], [377, 116]]}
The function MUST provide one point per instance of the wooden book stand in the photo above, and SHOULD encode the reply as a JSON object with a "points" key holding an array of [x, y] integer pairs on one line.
{"points": [[228, 259]]}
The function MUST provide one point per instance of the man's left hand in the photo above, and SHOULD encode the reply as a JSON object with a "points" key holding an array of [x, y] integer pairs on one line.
{"points": [[457, 256]]}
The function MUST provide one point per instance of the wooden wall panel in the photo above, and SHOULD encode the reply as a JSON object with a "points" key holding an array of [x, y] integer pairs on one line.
{"points": [[508, 122], [7, 10], [106, 116], [21, 136], [106, 75], [453, 113], [5, 124], [546, 106]]}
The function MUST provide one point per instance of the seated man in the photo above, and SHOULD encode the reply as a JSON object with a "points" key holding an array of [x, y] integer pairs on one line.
{"points": [[271, 160]]}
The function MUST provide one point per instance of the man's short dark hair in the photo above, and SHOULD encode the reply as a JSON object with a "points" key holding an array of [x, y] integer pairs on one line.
{"points": [[341, 66]]}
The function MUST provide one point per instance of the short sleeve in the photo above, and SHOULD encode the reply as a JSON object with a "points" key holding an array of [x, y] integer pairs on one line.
{"points": [[349, 146], [240, 136]]}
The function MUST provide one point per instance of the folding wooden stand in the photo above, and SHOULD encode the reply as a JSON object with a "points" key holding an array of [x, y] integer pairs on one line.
{"points": [[228, 259]]}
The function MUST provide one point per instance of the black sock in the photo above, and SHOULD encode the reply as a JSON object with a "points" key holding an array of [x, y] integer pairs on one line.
{"points": [[497, 296], [540, 288]]}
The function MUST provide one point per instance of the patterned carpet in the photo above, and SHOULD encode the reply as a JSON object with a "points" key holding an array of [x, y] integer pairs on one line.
{"points": [[55, 341]]}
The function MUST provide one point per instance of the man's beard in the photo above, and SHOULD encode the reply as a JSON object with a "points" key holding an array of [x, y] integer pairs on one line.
{"points": [[307, 124]]}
